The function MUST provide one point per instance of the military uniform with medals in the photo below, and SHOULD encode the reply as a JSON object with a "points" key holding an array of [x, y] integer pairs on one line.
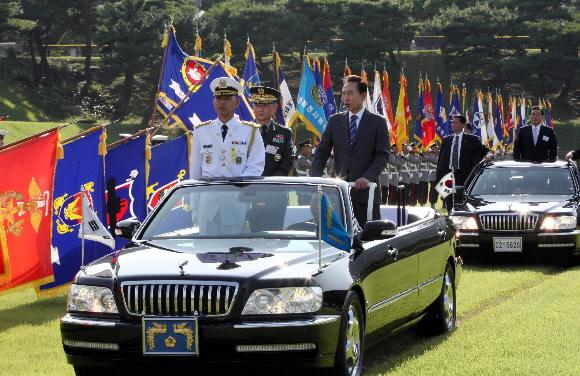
{"points": [[231, 149]]}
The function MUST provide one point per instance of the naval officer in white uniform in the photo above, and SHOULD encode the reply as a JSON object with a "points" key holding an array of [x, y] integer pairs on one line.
{"points": [[225, 147]]}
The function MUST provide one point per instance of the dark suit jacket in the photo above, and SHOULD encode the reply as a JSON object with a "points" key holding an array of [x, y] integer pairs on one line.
{"points": [[470, 154], [278, 145], [367, 157], [545, 149]]}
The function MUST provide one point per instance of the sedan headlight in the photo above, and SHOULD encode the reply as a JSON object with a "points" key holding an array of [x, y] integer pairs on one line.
{"points": [[462, 222], [284, 300], [559, 222], [91, 299]]}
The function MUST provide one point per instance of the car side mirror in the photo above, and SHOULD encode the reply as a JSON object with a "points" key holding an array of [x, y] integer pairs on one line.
{"points": [[376, 230], [459, 194], [126, 228]]}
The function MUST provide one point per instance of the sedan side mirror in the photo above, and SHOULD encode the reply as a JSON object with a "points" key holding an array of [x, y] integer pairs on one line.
{"points": [[376, 230], [126, 228]]}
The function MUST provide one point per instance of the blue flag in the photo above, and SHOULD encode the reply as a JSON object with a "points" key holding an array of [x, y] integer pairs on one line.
{"points": [[126, 173], [443, 129], [454, 108], [333, 231], [309, 102], [168, 166], [251, 76], [180, 74], [498, 122], [81, 167], [478, 118]]}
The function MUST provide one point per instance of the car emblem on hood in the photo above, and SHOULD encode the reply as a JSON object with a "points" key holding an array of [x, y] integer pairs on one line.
{"points": [[181, 271]]}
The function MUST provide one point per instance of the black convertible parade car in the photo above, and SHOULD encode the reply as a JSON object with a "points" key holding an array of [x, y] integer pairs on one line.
{"points": [[233, 272], [520, 208]]}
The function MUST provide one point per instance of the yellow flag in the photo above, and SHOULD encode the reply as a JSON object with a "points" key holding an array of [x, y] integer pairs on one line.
{"points": [[197, 46], [227, 51], [402, 116]]}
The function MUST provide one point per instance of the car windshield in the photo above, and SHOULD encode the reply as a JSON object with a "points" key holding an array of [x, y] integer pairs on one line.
{"points": [[247, 210], [523, 181]]}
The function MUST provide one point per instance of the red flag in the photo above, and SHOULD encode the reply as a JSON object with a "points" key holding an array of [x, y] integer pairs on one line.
{"points": [[389, 108], [25, 211], [428, 123]]}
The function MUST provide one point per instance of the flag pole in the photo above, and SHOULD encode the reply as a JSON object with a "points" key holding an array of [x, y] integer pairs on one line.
{"points": [[319, 194], [82, 226]]}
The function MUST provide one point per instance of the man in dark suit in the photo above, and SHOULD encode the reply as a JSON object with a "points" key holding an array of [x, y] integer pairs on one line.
{"points": [[277, 138], [460, 152], [360, 140], [535, 142]]}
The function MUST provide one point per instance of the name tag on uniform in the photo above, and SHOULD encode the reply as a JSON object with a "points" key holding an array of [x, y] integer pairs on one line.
{"points": [[271, 149], [207, 146], [546, 138]]}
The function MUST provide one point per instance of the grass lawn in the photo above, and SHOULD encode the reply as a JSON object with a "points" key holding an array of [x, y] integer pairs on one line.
{"points": [[513, 319]]}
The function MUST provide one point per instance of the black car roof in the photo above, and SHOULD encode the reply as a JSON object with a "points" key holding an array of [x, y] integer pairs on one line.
{"points": [[557, 164]]}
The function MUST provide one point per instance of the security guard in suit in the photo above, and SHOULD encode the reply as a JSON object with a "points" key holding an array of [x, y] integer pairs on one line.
{"points": [[277, 138], [304, 161], [225, 147]]}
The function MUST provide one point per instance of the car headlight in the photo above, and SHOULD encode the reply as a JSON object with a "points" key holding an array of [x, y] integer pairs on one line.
{"points": [[462, 222], [559, 222], [284, 300], [91, 299]]}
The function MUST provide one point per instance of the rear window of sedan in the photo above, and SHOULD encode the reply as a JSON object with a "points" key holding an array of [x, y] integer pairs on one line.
{"points": [[523, 181]]}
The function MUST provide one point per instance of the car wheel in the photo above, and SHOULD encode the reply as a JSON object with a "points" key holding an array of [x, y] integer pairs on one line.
{"points": [[349, 356], [442, 315]]}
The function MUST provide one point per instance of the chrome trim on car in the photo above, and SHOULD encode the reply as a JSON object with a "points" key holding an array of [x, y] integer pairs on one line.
{"points": [[467, 245], [394, 298], [320, 320], [567, 233], [557, 245], [68, 319], [509, 221], [135, 296]]}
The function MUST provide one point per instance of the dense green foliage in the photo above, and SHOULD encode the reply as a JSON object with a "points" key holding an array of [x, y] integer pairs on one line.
{"points": [[521, 47]]}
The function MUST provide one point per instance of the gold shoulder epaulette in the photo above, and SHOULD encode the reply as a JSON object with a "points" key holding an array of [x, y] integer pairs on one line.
{"points": [[251, 124], [203, 123]]}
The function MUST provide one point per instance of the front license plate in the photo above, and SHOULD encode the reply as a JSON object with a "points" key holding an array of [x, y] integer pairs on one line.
{"points": [[507, 244], [170, 336]]}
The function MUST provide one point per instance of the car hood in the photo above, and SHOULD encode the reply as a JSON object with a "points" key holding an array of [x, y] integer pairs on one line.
{"points": [[208, 259], [518, 203]]}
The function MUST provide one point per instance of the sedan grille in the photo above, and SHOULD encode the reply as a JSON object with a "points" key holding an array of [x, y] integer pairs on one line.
{"points": [[173, 298], [509, 222]]}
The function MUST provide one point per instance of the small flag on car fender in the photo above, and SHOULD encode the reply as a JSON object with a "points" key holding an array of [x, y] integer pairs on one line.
{"points": [[92, 228], [446, 185]]}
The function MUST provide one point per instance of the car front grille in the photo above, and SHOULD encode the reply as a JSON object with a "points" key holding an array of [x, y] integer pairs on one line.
{"points": [[509, 222], [179, 298]]}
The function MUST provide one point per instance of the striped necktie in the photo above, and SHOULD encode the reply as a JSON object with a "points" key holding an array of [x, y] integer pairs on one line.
{"points": [[352, 128], [455, 154]]}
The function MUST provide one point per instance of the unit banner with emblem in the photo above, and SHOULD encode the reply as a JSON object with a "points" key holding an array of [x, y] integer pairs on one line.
{"points": [[81, 169], [182, 73], [126, 181], [169, 165], [25, 208]]}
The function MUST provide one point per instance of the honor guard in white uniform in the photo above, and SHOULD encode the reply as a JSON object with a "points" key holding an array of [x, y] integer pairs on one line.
{"points": [[225, 147]]}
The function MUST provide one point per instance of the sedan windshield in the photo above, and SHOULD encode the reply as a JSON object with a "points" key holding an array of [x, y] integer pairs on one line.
{"points": [[254, 210], [524, 181]]}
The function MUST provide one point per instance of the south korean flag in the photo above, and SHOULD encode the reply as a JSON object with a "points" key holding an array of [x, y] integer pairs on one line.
{"points": [[92, 228], [446, 185]]}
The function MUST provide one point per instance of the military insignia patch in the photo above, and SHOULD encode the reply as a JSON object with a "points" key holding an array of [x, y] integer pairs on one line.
{"points": [[277, 157], [207, 158], [279, 139]]}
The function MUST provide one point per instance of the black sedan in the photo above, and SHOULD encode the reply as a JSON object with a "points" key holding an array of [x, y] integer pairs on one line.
{"points": [[520, 208], [233, 272]]}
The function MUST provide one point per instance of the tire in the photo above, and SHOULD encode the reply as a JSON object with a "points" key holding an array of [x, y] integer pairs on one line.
{"points": [[442, 315], [350, 351]]}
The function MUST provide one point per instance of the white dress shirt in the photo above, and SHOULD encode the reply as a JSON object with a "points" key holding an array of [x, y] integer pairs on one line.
{"points": [[359, 115], [536, 132]]}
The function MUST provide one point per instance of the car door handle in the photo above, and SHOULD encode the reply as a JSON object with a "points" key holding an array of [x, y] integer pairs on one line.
{"points": [[393, 252], [442, 234]]}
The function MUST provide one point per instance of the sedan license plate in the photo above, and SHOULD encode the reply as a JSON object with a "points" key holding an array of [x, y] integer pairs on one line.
{"points": [[170, 336], [507, 244]]}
